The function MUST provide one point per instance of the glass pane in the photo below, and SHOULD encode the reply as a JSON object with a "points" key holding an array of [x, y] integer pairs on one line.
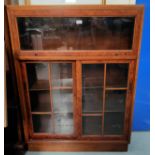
{"points": [[115, 100], [40, 101], [76, 33], [113, 123], [62, 101], [42, 123], [92, 100], [61, 75], [92, 75], [60, 2], [92, 125], [117, 75], [92, 87], [64, 123], [38, 76], [62, 97]]}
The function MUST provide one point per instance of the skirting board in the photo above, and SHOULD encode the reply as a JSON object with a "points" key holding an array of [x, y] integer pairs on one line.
{"points": [[59, 145]]}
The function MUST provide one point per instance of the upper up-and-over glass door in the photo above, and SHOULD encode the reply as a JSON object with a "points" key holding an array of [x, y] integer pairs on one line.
{"points": [[76, 33]]}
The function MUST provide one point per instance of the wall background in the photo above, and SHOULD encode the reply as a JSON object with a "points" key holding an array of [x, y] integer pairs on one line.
{"points": [[141, 120]]}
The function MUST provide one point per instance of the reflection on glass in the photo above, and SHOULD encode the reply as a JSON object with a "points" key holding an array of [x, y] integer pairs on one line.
{"points": [[64, 123], [38, 76], [61, 75], [117, 75], [113, 123], [40, 101], [42, 123], [75, 33], [62, 97], [62, 2], [92, 87], [92, 125], [115, 100], [62, 101], [63, 111], [51, 113]]}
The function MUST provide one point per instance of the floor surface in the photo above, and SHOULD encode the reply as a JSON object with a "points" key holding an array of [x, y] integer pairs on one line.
{"points": [[140, 145]]}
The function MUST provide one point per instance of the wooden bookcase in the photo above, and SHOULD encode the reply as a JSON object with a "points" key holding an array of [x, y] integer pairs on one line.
{"points": [[76, 70]]}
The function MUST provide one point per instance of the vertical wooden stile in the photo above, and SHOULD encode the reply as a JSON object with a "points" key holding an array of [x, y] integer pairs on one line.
{"points": [[28, 106], [51, 97], [104, 92], [79, 97]]}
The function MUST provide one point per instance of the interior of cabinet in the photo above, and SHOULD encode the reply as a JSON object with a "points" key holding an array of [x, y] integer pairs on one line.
{"points": [[92, 88], [51, 97], [83, 33], [104, 90]]}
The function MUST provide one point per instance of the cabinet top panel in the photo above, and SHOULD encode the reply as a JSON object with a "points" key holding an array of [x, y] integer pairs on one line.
{"points": [[103, 30], [32, 7]]}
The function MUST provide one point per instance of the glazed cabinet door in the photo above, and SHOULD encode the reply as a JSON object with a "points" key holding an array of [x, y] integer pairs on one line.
{"points": [[106, 89], [58, 108], [50, 97], [83, 33]]}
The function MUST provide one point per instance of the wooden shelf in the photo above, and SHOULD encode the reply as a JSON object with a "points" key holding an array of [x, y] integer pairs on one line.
{"points": [[116, 88], [41, 113], [40, 85], [113, 111], [92, 114], [63, 112], [108, 88], [62, 88], [93, 87]]}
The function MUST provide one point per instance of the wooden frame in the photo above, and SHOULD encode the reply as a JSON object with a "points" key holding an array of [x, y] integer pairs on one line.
{"points": [[77, 142], [77, 11], [27, 98], [103, 2], [28, 2], [128, 98]]}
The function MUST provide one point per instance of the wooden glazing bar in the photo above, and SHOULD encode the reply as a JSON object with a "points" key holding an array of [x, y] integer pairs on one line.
{"points": [[51, 97], [79, 97], [91, 114], [104, 91], [117, 88]]}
